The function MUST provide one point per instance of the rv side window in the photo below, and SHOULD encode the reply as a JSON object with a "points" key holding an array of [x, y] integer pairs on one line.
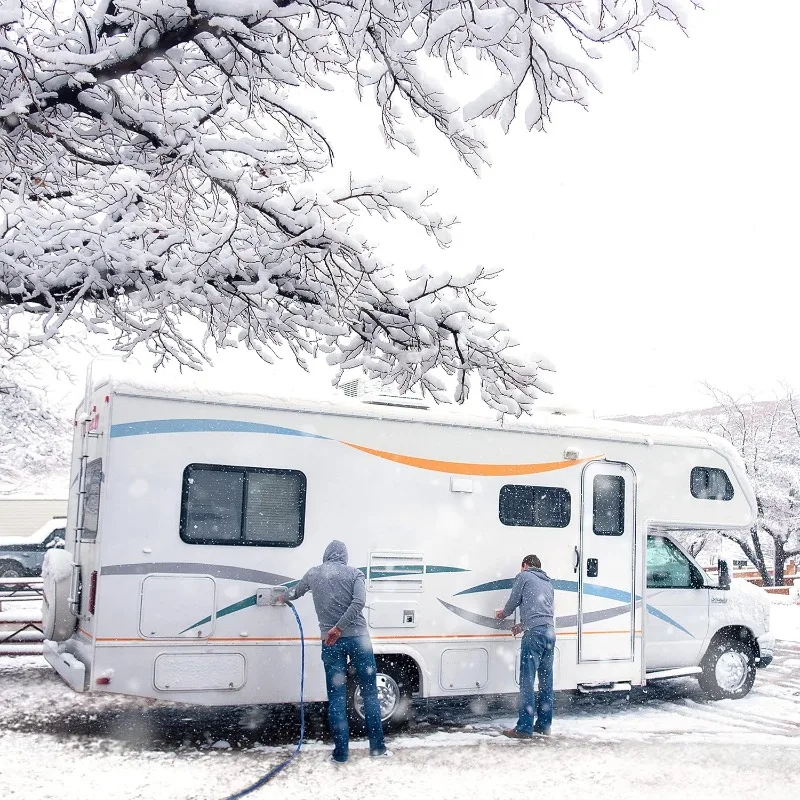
{"points": [[92, 481], [535, 506], [609, 505], [242, 506], [710, 483]]}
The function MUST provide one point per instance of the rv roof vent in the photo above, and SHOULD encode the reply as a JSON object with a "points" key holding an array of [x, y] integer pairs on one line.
{"points": [[397, 401], [559, 411]]}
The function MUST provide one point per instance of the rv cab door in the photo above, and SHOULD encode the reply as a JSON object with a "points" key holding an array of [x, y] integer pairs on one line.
{"points": [[678, 607]]}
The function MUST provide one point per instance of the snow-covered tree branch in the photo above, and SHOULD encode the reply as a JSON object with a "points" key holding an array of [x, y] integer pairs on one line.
{"points": [[158, 162]]}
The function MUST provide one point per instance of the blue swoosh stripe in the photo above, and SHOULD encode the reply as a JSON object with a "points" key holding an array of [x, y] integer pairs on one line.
{"points": [[572, 586], [155, 426], [562, 586]]}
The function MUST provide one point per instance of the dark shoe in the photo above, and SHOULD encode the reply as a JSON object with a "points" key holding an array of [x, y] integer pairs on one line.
{"points": [[383, 754], [513, 733], [337, 760], [542, 731]]}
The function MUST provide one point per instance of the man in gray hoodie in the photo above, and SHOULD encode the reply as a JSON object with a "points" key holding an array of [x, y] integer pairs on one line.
{"points": [[533, 594], [339, 594]]}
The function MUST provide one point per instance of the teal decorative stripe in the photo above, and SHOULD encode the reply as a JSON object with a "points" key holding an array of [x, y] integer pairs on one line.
{"points": [[392, 571], [223, 612], [432, 569]]}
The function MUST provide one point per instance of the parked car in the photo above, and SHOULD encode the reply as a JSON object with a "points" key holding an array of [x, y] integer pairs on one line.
{"points": [[22, 556]]}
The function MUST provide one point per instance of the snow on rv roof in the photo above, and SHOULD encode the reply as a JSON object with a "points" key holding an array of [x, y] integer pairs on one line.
{"points": [[384, 407]]}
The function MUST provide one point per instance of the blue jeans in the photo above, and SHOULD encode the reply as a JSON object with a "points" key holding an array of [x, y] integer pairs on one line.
{"points": [[358, 649], [536, 657]]}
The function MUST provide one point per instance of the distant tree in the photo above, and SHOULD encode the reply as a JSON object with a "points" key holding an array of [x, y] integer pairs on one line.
{"points": [[767, 436], [158, 161]]}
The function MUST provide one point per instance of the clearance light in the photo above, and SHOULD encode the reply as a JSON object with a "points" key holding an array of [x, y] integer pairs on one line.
{"points": [[104, 681], [92, 592]]}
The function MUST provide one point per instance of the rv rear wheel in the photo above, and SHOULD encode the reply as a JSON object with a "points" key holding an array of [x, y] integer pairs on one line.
{"points": [[729, 670], [11, 569], [58, 621], [394, 696]]}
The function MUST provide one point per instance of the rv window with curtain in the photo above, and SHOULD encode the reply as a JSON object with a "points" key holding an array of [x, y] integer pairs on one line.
{"points": [[535, 506], [242, 506], [710, 483], [608, 505], [92, 482]]}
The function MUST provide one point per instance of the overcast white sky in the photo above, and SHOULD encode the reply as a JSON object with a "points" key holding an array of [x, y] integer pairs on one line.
{"points": [[648, 245]]}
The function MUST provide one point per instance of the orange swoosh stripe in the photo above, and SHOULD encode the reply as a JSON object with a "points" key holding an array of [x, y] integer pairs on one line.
{"points": [[461, 468]]}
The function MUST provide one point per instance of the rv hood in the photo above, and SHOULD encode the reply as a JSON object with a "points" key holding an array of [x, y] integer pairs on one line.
{"points": [[335, 552]]}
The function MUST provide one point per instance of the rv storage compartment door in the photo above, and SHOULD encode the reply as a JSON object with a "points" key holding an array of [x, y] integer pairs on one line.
{"points": [[464, 669], [393, 614], [177, 606], [195, 672]]}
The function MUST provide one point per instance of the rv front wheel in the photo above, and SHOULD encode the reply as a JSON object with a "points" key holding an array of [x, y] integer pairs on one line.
{"points": [[729, 670], [394, 695]]}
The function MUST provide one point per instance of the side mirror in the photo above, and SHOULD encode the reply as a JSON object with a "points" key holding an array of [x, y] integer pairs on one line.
{"points": [[724, 574]]}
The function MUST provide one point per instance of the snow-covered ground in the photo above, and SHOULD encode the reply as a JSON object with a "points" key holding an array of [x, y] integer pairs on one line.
{"points": [[784, 620], [667, 742]]}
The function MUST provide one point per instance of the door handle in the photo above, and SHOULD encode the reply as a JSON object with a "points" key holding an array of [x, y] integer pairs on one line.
{"points": [[577, 563]]}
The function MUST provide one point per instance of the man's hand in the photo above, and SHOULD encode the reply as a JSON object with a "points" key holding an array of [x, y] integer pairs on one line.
{"points": [[280, 598], [499, 614], [333, 636], [517, 629]]}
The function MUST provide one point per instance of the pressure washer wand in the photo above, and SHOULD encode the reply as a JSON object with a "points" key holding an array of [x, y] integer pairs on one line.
{"points": [[272, 773]]}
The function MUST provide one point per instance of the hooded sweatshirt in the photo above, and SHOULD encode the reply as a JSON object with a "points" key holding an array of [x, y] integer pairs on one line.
{"points": [[339, 592], [533, 593]]}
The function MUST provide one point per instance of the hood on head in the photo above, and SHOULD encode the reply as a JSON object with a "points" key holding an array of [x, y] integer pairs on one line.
{"points": [[335, 551], [540, 573]]}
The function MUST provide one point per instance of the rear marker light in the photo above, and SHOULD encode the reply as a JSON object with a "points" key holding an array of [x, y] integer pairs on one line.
{"points": [[103, 681], [93, 593]]}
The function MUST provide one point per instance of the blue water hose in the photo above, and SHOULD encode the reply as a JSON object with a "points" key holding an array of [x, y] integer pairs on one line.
{"points": [[273, 772]]}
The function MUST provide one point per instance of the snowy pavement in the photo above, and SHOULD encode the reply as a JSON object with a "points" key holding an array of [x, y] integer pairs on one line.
{"points": [[666, 742]]}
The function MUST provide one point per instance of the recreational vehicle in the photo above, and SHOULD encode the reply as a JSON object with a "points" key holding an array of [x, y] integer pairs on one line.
{"points": [[186, 508]]}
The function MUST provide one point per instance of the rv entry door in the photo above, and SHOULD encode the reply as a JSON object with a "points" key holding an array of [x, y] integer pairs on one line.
{"points": [[607, 562]]}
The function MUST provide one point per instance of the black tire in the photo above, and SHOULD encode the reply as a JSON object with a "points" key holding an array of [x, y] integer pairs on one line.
{"points": [[11, 569], [395, 686], [729, 670]]}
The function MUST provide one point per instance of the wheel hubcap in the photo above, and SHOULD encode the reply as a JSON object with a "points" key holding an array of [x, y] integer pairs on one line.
{"points": [[388, 696], [731, 671], [10, 572]]}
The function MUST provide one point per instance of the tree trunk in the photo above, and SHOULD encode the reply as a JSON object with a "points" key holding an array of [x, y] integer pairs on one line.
{"points": [[759, 557], [780, 560]]}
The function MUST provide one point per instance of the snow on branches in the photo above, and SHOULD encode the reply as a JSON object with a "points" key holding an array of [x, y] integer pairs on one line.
{"points": [[158, 162]]}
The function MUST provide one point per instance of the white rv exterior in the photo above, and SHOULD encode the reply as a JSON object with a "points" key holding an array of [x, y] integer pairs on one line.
{"points": [[183, 506]]}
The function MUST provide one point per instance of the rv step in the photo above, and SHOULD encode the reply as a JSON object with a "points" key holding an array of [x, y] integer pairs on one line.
{"points": [[673, 673], [594, 688]]}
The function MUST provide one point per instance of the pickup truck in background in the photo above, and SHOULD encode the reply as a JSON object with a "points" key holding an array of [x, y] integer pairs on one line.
{"points": [[22, 556]]}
